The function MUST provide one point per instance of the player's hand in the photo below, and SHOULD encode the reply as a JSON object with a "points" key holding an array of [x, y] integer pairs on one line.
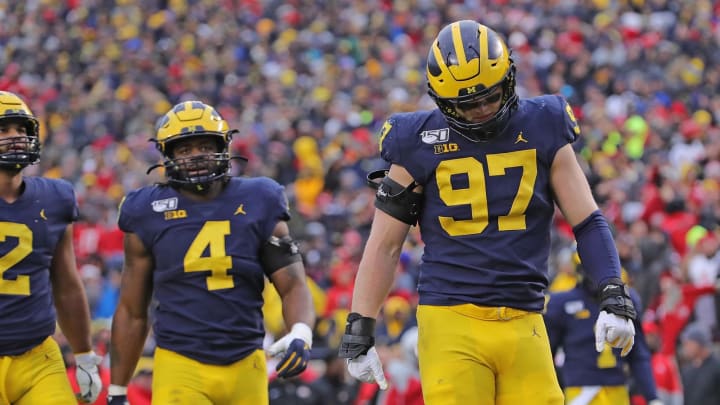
{"points": [[294, 349], [88, 376], [358, 346], [616, 330], [615, 322], [368, 368]]}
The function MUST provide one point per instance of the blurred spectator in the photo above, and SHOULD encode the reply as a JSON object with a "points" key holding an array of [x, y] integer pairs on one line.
{"points": [[92, 277], [665, 369], [294, 391], [339, 295], [702, 271], [673, 308], [140, 388], [109, 296], [397, 318], [404, 374], [656, 255], [334, 386], [701, 368]]}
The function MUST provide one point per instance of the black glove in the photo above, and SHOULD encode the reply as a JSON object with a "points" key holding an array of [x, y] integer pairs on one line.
{"points": [[359, 336], [614, 298], [117, 400]]}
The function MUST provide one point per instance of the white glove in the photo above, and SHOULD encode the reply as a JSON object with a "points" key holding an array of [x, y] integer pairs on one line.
{"points": [[368, 368], [616, 330], [298, 331], [88, 376]]}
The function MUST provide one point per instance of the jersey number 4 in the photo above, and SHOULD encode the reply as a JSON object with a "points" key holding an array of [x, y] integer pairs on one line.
{"points": [[475, 195], [211, 238], [21, 284]]}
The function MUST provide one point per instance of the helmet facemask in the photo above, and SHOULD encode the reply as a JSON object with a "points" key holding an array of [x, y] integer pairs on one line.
{"points": [[17, 152], [197, 172]]}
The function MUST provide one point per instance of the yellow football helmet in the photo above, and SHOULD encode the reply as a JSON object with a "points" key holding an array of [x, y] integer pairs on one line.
{"points": [[186, 120], [467, 62], [18, 151]]}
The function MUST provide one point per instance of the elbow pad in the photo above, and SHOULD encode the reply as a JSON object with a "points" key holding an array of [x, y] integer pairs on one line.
{"points": [[277, 253], [395, 200]]}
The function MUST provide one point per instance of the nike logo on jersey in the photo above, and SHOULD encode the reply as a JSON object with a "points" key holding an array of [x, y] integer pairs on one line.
{"points": [[520, 138], [240, 210], [42, 214]]}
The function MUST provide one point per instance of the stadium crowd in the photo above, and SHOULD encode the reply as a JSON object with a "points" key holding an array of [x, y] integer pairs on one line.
{"points": [[309, 83]]}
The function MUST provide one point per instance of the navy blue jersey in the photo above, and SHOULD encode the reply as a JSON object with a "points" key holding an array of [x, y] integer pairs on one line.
{"points": [[570, 319], [488, 207], [208, 281], [30, 229]]}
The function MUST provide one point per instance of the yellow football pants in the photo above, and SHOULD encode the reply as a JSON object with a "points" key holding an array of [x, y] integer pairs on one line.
{"points": [[597, 395], [37, 376], [180, 380], [486, 356]]}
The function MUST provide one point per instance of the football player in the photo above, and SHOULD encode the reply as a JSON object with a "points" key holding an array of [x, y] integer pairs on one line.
{"points": [[38, 274], [481, 174], [590, 377], [201, 245]]}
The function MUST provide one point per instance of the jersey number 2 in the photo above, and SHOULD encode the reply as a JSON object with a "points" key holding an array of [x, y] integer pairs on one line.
{"points": [[475, 195], [21, 284], [211, 238]]}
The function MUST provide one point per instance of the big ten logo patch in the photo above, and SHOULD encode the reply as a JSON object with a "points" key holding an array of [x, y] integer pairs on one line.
{"points": [[446, 148], [175, 214]]}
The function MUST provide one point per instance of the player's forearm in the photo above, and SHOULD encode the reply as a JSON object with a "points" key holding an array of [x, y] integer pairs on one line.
{"points": [[73, 317], [376, 272], [126, 344], [375, 277], [298, 306], [597, 250]]}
